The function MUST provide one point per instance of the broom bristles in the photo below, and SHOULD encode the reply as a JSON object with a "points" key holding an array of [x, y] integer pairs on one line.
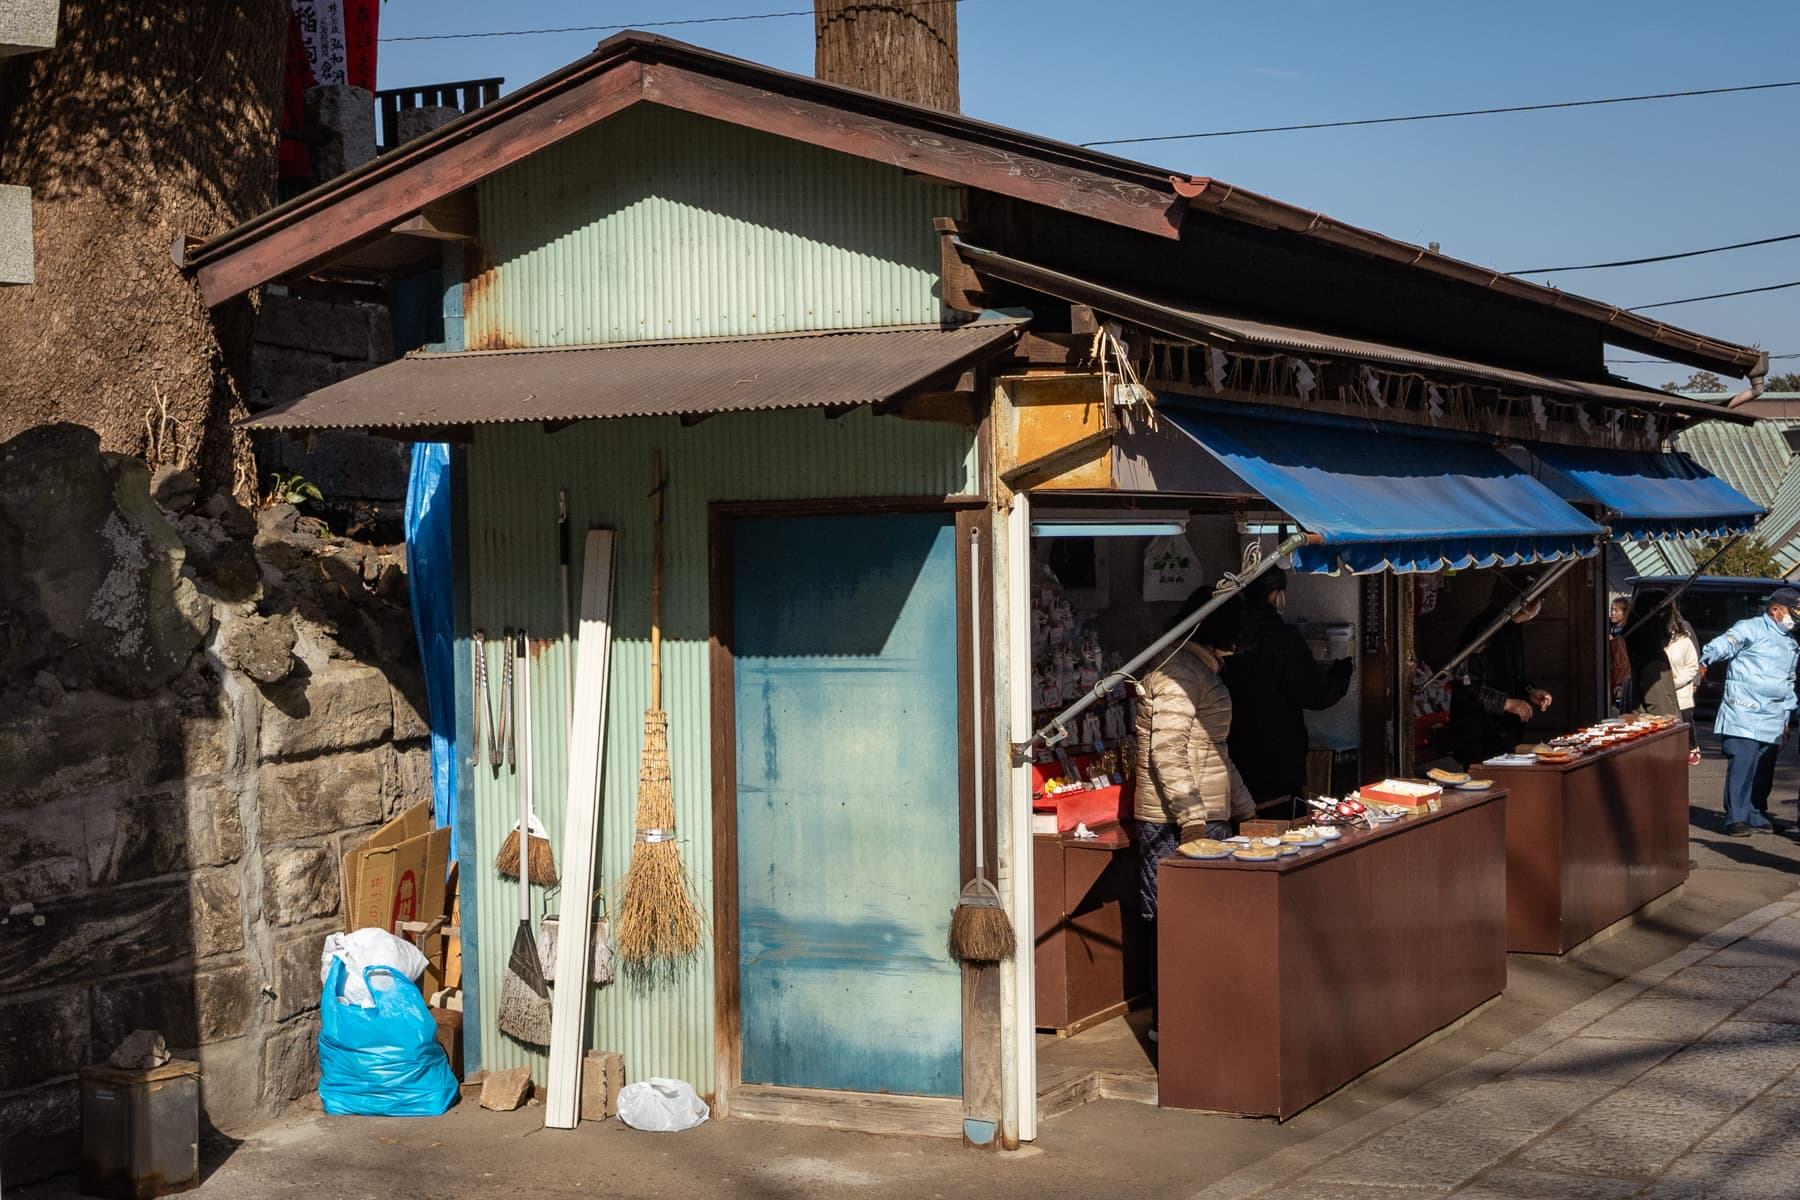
{"points": [[543, 860], [658, 922], [981, 933], [524, 1000]]}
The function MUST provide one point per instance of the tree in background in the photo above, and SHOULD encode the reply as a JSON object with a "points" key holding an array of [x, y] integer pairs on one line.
{"points": [[1789, 382], [1699, 381], [151, 119], [1749, 559]]}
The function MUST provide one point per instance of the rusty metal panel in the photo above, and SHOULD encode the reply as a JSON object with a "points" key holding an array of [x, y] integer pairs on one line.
{"points": [[514, 474], [802, 370], [661, 224]]}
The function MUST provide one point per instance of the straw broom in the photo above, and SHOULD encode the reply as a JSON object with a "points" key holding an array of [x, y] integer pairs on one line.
{"points": [[980, 930], [659, 925]]}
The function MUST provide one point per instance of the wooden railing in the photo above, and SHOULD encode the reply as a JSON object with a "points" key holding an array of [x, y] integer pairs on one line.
{"points": [[468, 95]]}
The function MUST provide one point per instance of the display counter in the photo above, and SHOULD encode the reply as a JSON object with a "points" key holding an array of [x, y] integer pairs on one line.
{"points": [[1089, 959], [1280, 982], [1590, 842]]}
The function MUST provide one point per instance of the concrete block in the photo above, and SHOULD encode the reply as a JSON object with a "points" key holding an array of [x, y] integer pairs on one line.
{"points": [[127, 929], [43, 852], [297, 984], [314, 326], [321, 795], [408, 779], [27, 26], [346, 464], [215, 824], [291, 1060], [417, 122], [412, 719], [215, 912], [300, 883], [503, 1091], [348, 114], [230, 1082], [340, 708], [136, 838], [40, 1132], [189, 1008], [42, 1036], [17, 254]]}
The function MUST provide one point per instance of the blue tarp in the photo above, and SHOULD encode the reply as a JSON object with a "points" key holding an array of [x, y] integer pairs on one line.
{"points": [[430, 576], [1647, 494], [1391, 499]]}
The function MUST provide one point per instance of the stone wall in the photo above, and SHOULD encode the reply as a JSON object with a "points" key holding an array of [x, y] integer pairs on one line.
{"points": [[304, 344], [199, 707]]}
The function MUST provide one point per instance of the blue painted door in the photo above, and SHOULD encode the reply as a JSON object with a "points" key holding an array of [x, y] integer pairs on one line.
{"points": [[844, 636]]}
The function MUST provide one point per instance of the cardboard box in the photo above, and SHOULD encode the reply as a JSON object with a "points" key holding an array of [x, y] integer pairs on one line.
{"points": [[398, 874], [602, 1077]]}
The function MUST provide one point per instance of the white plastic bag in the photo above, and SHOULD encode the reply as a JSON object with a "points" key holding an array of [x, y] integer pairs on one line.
{"points": [[661, 1106], [1171, 569], [370, 947]]}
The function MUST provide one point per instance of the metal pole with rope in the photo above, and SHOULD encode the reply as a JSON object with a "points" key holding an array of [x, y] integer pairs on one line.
{"points": [[1685, 584], [1525, 599], [1056, 730]]}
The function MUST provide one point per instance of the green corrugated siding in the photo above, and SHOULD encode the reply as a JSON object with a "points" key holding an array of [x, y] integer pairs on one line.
{"points": [[660, 224], [513, 478]]}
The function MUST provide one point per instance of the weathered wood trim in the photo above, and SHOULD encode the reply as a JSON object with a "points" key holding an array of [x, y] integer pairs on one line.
{"points": [[1085, 449], [928, 152], [727, 990], [319, 231], [451, 218], [858, 1112]]}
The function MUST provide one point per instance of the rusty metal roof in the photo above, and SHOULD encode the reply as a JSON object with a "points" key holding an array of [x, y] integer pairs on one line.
{"points": [[643, 379], [1183, 319], [634, 67]]}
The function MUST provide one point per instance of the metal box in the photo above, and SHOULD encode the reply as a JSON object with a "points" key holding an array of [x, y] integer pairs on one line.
{"points": [[140, 1130]]}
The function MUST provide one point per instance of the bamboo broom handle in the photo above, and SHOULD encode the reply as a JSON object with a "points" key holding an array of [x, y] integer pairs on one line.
{"points": [[656, 581]]}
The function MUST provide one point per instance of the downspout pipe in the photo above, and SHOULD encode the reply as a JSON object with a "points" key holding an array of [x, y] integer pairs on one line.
{"points": [[1759, 375]]}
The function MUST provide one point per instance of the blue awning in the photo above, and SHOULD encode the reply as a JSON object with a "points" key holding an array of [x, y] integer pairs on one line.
{"points": [[1647, 494], [1391, 499]]}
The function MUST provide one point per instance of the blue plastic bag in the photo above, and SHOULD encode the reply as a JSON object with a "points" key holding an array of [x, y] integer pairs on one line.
{"points": [[383, 1061]]}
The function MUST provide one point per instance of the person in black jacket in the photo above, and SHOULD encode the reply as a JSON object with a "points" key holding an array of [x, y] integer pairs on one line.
{"points": [[1273, 679], [1492, 700]]}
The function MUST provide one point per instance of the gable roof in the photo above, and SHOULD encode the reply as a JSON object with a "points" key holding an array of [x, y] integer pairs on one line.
{"points": [[364, 205]]}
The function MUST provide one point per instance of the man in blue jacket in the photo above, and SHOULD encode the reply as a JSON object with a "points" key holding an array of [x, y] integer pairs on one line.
{"points": [[1758, 703]]}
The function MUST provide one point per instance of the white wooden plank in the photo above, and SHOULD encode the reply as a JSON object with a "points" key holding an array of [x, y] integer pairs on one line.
{"points": [[587, 745]]}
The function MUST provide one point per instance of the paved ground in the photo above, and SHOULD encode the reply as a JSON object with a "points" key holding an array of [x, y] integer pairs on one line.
{"points": [[1659, 1062]]}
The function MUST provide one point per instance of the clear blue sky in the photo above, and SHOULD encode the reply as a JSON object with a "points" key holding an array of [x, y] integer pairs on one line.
{"points": [[1531, 189]]}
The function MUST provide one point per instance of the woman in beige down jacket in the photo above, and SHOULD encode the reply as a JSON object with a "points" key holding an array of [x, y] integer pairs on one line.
{"points": [[1186, 784]]}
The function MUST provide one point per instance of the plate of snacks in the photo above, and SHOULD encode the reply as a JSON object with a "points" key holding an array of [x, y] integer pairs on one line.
{"points": [[1447, 778], [1206, 848], [1256, 853]]}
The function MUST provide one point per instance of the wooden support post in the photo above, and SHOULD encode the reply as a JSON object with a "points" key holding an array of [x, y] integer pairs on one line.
{"points": [[961, 290]]}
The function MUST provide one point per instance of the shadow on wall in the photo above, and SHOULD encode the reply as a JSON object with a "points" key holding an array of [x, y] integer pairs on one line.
{"points": [[199, 705]]}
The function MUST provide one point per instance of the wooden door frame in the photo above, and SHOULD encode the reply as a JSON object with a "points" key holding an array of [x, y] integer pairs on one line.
{"points": [[965, 512]]}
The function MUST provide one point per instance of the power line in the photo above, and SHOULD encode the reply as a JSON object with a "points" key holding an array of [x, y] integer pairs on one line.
{"points": [[1635, 262], [1773, 287], [1441, 116], [495, 33]]}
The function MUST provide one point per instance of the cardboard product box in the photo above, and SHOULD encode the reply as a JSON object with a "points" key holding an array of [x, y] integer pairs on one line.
{"points": [[398, 874], [602, 1077]]}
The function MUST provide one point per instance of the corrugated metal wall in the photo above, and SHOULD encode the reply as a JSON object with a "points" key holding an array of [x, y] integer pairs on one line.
{"points": [[513, 479], [660, 224]]}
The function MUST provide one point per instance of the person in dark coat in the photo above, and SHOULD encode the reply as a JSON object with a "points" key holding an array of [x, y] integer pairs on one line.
{"points": [[1492, 699], [1652, 678], [1273, 680]]}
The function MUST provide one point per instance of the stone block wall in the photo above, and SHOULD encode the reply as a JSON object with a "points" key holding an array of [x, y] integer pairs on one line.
{"points": [[169, 857]]}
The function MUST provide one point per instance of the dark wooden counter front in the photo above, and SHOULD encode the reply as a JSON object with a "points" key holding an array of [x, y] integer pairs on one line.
{"points": [[1089, 941], [1280, 982], [1591, 842]]}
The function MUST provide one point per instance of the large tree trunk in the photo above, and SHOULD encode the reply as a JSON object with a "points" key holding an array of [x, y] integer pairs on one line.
{"points": [[905, 49], [150, 118]]}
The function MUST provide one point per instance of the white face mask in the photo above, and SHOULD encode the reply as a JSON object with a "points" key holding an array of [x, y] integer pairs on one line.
{"points": [[1786, 622]]}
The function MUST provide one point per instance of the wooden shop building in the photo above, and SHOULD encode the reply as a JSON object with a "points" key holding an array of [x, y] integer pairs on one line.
{"points": [[906, 370]]}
